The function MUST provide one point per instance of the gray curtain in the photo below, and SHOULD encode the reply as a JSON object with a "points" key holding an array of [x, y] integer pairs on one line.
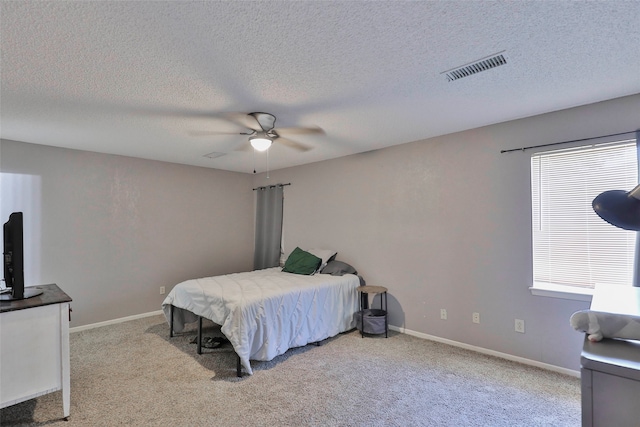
{"points": [[268, 227]]}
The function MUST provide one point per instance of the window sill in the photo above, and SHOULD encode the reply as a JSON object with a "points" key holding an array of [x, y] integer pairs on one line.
{"points": [[562, 292]]}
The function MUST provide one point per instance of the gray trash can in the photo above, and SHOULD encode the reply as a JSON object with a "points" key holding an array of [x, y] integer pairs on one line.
{"points": [[374, 321]]}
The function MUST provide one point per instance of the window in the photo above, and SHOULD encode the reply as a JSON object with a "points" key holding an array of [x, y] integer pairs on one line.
{"points": [[573, 248]]}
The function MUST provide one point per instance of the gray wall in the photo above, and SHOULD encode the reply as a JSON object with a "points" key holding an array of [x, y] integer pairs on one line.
{"points": [[110, 230], [446, 223], [443, 223]]}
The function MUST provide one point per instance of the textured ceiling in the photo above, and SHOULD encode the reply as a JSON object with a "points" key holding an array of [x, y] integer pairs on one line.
{"points": [[147, 79]]}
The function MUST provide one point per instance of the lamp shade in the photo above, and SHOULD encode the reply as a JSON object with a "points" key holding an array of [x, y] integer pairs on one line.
{"points": [[619, 208], [260, 143]]}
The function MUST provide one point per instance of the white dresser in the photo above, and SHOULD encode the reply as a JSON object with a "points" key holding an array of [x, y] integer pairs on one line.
{"points": [[34, 347]]}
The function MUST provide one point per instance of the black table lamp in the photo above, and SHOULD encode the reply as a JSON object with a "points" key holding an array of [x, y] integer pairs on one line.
{"points": [[622, 209], [619, 208]]}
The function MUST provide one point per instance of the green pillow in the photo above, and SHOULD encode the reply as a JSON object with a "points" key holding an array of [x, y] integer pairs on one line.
{"points": [[301, 262]]}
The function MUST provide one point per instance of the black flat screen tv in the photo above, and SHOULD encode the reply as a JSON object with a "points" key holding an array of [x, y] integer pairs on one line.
{"points": [[13, 257]]}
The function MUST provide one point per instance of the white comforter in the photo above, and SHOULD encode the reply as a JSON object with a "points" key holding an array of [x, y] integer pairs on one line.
{"points": [[264, 313]]}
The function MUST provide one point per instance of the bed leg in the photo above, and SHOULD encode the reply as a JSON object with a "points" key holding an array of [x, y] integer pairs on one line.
{"points": [[199, 338], [171, 323], [238, 367]]}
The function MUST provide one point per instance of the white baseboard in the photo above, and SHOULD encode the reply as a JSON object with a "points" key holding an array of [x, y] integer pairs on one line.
{"points": [[511, 357], [114, 321]]}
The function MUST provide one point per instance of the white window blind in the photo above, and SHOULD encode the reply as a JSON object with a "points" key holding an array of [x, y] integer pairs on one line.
{"points": [[572, 245]]}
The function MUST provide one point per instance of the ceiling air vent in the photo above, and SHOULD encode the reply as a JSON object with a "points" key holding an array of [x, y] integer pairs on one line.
{"points": [[214, 155], [476, 67]]}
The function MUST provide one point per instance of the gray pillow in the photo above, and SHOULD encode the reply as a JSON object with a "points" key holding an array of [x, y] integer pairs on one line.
{"points": [[338, 268]]}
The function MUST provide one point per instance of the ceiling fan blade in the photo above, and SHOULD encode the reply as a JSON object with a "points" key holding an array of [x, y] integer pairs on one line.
{"points": [[266, 121], [259, 122], [245, 120], [301, 131], [293, 144], [210, 133]]}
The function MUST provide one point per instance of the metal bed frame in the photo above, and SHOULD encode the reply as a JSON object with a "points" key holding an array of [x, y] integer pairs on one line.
{"points": [[199, 341]]}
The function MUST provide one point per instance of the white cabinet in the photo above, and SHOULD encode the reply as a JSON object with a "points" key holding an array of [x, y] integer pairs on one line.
{"points": [[610, 371], [34, 347]]}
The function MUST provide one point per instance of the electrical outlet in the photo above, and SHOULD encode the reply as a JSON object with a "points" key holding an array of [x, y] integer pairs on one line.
{"points": [[520, 326], [443, 313], [161, 290], [476, 318]]}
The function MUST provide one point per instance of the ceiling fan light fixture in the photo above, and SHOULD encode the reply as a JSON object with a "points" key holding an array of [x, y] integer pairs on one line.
{"points": [[260, 142]]}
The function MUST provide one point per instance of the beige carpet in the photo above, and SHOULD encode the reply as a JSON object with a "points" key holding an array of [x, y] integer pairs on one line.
{"points": [[133, 374]]}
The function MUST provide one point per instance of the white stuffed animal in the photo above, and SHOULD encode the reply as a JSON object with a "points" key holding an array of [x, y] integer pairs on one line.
{"points": [[600, 325]]}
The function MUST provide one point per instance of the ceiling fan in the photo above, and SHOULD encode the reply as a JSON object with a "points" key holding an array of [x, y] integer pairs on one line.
{"points": [[262, 132]]}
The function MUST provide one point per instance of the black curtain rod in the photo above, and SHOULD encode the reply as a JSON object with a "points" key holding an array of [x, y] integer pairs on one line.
{"points": [[272, 186], [563, 142]]}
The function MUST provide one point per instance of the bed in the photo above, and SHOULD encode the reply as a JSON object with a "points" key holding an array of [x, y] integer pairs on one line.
{"points": [[263, 313]]}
